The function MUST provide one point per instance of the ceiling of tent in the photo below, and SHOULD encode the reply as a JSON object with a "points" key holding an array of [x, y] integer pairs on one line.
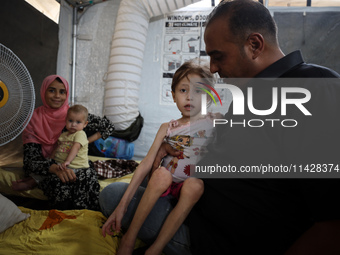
{"points": [[48, 6], [315, 3], [51, 7]]}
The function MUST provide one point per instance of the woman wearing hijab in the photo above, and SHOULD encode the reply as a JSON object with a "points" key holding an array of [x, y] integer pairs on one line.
{"points": [[64, 189]]}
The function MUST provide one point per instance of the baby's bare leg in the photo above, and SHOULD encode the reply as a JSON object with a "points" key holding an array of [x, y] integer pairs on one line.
{"points": [[160, 180], [191, 192]]}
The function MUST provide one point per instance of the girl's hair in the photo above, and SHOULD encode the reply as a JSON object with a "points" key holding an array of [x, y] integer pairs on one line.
{"points": [[77, 108], [194, 66]]}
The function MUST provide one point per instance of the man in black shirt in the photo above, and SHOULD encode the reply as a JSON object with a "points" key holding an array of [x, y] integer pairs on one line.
{"points": [[261, 215]]}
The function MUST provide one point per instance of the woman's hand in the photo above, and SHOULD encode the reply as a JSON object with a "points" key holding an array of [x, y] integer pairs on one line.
{"points": [[64, 166], [113, 223], [66, 175]]}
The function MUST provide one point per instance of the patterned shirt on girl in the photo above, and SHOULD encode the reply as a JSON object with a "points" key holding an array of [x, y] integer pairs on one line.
{"points": [[191, 140]]}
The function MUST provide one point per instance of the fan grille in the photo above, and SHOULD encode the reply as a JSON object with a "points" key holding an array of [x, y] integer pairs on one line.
{"points": [[17, 111]]}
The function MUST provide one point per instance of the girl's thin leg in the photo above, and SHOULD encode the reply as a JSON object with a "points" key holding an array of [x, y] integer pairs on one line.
{"points": [[161, 179], [110, 197], [191, 192]]}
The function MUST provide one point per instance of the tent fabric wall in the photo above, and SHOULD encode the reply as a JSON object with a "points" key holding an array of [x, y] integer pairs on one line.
{"points": [[318, 45], [34, 39], [94, 56], [94, 35], [126, 58]]}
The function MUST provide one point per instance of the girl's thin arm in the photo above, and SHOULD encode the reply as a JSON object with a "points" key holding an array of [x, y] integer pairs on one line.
{"points": [[113, 223]]}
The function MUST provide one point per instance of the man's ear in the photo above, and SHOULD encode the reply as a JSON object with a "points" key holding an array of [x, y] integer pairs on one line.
{"points": [[256, 44], [173, 96]]}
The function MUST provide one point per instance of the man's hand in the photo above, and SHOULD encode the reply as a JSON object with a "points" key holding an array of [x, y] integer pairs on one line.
{"points": [[164, 150]]}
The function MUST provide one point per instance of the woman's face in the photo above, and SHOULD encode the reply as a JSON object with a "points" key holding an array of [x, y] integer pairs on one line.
{"points": [[55, 94]]}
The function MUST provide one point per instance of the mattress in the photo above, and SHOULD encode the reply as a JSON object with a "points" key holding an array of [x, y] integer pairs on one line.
{"points": [[56, 232], [12, 172], [74, 232]]}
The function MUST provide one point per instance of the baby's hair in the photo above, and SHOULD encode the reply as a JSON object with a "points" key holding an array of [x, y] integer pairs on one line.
{"points": [[194, 66], [77, 108]]}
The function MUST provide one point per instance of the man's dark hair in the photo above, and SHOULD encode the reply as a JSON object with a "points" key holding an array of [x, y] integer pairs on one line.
{"points": [[246, 17]]}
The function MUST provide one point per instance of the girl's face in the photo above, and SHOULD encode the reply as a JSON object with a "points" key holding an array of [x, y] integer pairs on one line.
{"points": [[55, 94], [187, 97]]}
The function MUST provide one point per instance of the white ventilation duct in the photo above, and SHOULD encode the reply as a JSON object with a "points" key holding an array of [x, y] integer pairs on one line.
{"points": [[126, 57]]}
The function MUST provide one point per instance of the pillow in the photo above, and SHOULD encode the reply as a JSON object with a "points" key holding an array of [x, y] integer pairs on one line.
{"points": [[9, 214]]}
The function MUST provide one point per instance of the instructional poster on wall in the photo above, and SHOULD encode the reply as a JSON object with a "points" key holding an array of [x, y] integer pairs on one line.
{"points": [[183, 40]]}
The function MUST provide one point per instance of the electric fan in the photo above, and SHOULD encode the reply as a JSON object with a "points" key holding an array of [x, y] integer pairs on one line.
{"points": [[17, 96]]}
